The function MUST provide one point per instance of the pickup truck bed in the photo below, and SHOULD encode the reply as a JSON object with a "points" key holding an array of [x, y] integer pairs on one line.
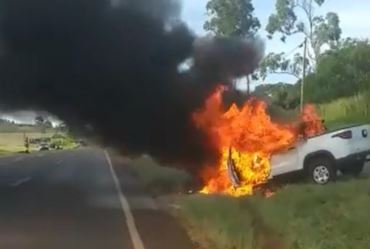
{"points": [[320, 157]]}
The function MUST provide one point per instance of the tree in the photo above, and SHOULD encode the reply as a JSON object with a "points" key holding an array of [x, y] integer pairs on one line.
{"points": [[48, 124], [319, 31], [4, 121], [39, 120], [43, 123], [284, 95], [232, 18], [340, 73], [278, 63]]}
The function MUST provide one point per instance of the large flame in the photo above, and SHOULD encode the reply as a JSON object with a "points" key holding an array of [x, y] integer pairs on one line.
{"points": [[245, 139]]}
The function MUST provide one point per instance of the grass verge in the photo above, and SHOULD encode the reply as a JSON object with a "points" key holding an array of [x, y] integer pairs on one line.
{"points": [[10, 149], [299, 217], [351, 110], [337, 113], [158, 179], [6, 152]]}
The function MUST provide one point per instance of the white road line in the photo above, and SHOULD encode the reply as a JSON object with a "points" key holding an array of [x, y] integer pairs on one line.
{"points": [[130, 221], [59, 162], [21, 181]]}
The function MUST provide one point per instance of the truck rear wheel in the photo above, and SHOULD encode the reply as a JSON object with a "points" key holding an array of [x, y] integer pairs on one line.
{"points": [[353, 170], [321, 170]]}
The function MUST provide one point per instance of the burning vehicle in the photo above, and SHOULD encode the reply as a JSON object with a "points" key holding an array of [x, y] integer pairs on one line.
{"points": [[253, 149]]}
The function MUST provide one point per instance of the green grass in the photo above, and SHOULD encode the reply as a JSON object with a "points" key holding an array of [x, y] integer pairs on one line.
{"points": [[4, 152], [351, 110], [157, 179], [299, 216], [343, 111], [64, 141]]}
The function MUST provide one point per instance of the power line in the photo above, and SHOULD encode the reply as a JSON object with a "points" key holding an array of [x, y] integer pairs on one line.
{"points": [[294, 49]]}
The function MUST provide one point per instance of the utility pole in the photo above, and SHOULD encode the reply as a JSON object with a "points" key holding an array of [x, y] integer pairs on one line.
{"points": [[248, 85], [304, 72]]}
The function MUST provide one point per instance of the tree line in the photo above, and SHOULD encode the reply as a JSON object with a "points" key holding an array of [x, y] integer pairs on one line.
{"points": [[336, 67]]}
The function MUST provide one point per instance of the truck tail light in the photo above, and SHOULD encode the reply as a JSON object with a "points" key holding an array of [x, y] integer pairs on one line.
{"points": [[344, 135]]}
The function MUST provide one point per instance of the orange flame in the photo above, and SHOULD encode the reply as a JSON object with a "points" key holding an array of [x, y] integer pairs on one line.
{"points": [[248, 138], [311, 121]]}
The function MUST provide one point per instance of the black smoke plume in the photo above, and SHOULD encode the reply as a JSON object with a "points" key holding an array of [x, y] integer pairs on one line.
{"points": [[115, 67]]}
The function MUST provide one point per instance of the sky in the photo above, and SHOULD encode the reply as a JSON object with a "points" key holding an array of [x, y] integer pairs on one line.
{"points": [[354, 21], [27, 117]]}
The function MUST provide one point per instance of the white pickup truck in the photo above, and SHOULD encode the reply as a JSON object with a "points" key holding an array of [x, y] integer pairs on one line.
{"points": [[346, 149]]}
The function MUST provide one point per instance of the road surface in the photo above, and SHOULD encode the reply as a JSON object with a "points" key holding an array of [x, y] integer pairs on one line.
{"points": [[78, 200]]}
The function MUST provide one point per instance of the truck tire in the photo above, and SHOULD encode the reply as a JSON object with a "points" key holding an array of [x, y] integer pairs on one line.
{"points": [[354, 170], [321, 170]]}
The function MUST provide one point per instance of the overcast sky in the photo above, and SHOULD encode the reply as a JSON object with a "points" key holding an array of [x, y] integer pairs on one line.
{"points": [[27, 116], [354, 20]]}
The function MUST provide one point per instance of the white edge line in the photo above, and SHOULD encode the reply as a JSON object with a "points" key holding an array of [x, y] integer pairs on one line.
{"points": [[130, 221], [21, 181]]}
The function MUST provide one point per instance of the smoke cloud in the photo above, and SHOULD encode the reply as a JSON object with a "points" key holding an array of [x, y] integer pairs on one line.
{"points": [[114, 67]]}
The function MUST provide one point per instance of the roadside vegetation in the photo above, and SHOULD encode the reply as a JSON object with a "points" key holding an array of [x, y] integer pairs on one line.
{"points": [[336, 113], [156, 179], [298, 216], [347, 110], [339, 87]]}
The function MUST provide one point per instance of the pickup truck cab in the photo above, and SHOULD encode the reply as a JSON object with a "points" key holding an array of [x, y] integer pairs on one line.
{"points": [[346, 149]]}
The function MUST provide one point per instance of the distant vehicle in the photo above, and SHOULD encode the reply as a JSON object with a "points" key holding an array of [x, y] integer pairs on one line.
{"points": [[44, 147], [346, 149], [82, 143], [56, 146]]}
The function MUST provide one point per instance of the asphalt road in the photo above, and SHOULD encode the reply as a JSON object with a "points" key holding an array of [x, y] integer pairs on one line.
{"points": [[77, 200]]}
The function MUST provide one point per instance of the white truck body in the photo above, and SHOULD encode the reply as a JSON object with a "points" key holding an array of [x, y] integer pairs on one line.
{"points": [[343, 147]]}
